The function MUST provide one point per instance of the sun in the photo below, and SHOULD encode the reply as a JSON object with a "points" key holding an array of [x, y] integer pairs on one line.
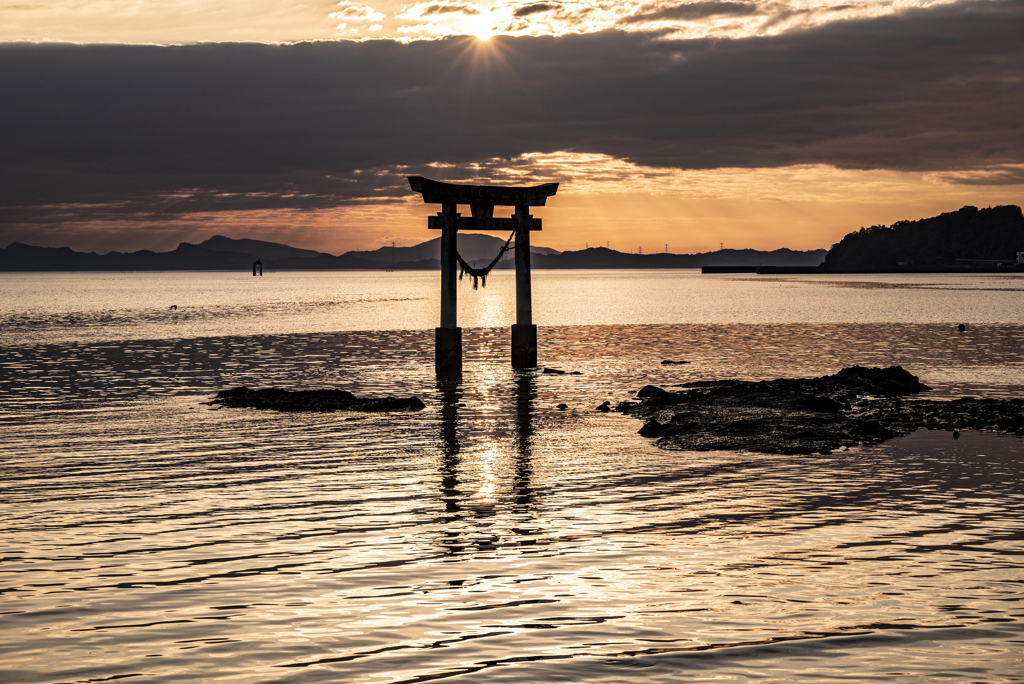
{"points": [[481, 29]]}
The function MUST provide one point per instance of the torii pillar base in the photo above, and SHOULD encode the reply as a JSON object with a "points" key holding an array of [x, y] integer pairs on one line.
{"points": [[524, 346], [448, 351]]}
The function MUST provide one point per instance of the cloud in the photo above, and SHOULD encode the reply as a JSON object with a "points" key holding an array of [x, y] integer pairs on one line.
{"points": [[556, 18], [686, 20], [353, 12], [1001, 174], [535, 8], [153, 130], [438, 8], [692, 11], [431, 30]]}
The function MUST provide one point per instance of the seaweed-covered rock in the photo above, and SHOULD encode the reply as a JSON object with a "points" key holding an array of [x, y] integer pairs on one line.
{"points": [[814, 415], [312, 400]]}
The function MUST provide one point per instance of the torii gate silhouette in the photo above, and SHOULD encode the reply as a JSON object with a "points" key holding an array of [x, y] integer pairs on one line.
{"points": [[482, 199]]}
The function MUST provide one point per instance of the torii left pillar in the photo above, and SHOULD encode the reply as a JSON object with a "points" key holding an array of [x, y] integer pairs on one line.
{"points": [[448, 337]]}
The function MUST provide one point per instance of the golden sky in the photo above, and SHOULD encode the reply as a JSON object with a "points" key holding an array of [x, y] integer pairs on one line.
{"points": [[192, 21], [748, 123]]}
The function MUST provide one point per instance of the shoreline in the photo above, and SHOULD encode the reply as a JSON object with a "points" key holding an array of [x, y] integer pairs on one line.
{"points": [[817, 270]]}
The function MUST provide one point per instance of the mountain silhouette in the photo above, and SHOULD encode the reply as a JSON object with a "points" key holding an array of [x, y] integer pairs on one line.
{"points": [[266, 250], [220, 253]]}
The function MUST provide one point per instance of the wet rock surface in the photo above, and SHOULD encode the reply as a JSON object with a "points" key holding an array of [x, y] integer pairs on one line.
{"points": [[312, 400], [817, 415], [558, 371]]}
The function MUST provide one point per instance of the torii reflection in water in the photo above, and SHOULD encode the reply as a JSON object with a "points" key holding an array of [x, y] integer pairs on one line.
{"points": [[457, 504]]}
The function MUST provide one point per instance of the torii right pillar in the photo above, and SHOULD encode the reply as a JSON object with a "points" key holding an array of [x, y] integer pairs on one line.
{"points": [[524, 332]]}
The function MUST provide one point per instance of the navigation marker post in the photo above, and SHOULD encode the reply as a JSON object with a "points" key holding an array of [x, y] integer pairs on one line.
{"points": [[482, 199]]}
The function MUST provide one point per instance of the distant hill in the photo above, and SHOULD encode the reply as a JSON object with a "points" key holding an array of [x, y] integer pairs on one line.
{"points": [[226, 254], [472, 247], [265, 250], [993, 234], [186, 257], [601, 257], [21, 257], [221, 253]]}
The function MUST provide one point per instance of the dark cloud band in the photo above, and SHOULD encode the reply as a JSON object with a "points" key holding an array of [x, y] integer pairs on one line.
{"points": [[693, 11], [936, 90]]}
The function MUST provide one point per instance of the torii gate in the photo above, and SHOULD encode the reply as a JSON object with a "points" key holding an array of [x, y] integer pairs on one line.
{"points": [[482, 199]]}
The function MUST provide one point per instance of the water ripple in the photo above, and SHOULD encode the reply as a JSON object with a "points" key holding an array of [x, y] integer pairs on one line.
{"points": [[493, 536]]}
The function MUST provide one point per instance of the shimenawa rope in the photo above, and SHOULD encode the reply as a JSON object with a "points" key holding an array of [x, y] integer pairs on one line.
{"points": [[481, 273]]}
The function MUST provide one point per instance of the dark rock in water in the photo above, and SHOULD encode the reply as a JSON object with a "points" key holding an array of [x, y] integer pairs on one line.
{"points": [[651, 428], [562, 407], [312, 400], [816, 415], [887, 382], [651, 391], [605, 407], [558, 371], [673, 363]]}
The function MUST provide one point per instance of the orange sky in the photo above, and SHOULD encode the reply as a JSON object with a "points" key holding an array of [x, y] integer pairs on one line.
{"points": [[805, 207]]}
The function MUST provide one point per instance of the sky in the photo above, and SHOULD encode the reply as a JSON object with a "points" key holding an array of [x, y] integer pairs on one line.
{"points": [[686, 126]]}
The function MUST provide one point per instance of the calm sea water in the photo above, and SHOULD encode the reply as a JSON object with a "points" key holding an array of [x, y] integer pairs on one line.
{"points": [[493, 536]]}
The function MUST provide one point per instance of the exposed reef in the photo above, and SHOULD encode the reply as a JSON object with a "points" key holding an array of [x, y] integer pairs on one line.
{"points": [[312, 400], [803, 416]]}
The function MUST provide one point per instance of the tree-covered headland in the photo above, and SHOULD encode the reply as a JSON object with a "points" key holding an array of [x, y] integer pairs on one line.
{"points": [[995, 233]]}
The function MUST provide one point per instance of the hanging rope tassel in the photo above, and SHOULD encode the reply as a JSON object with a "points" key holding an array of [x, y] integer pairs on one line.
{"points": [[480, 274]]}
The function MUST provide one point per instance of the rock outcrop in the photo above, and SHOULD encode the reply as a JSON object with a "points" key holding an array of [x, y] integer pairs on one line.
{"points": [[802, 416], [312, 400]]}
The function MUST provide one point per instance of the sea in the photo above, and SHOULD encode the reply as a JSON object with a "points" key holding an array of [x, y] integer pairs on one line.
{"points": [[147, 535]]}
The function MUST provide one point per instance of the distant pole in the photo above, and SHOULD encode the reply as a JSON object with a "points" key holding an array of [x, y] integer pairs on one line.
{"points": [[640, 249], [666, 248], [721, 246], [392, 253], [608, 244]]}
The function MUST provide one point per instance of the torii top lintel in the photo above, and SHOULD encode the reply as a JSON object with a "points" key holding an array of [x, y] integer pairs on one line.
{"points": [[436, 192]]}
